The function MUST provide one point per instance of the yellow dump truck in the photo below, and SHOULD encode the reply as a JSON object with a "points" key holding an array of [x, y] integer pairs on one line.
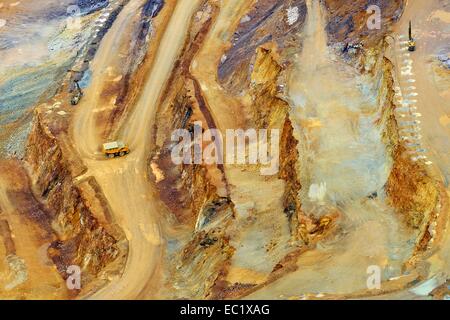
{"points": [[115, 149]]}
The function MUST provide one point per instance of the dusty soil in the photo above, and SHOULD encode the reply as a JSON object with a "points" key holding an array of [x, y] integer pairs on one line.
{"points": [[26, 270], [351, 192]]}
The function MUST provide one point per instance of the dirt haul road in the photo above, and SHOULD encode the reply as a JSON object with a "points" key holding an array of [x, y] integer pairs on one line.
{"points": [[84, 124], [432, 103], [124, 181]]}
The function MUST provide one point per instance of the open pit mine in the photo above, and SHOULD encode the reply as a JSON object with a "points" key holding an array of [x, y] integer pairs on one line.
{"points": [[224, 149]]}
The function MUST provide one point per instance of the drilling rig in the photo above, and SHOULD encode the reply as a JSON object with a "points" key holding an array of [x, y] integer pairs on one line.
{"points": [[411, 41]]}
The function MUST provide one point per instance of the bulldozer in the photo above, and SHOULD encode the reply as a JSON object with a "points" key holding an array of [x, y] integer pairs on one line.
{"points": [[115, 149], [77, 95], [411, 41]]}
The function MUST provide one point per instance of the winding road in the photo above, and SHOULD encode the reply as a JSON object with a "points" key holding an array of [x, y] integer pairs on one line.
{"points": [[432, 106], [137, 210], [124, 181]]}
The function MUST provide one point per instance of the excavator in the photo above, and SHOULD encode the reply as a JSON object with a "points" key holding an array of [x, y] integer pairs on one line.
{"points": [[77, 95], [411, 41]]}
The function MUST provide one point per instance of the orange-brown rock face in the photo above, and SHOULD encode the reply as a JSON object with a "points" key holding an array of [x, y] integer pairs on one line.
{"points": [[265, 22], [348, 20], [411, 189], [77, 214], [25, 235], [185, 188], [347, 194]]}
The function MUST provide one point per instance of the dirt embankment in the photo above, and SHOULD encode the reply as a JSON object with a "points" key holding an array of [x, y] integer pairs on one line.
{"points": [[77, 211], [196, 194], [269, 110], [355, 35], [185, 188], [274, 21], [256, 104], [411, 190], [25, 234], [70, 208], [127, 72], [417, 197], [348, 21], [199, 194]]}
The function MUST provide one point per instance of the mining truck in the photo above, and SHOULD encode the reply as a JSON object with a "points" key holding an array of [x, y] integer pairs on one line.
{"points": [[115, 149], [411, 41], [77, 95]]}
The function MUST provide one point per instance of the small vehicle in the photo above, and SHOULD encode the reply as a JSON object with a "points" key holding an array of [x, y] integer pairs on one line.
{"points": [[411, 41], [115, 149], [411, 45]]}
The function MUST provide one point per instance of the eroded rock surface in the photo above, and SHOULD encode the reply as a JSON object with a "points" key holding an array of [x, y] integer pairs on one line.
{"points": [[349, 190]]}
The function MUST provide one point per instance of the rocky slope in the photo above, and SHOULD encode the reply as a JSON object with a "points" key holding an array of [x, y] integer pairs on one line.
{"points": [[34, 63], [77, 212], [268, 21], [347, 22], [347, 193]]}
